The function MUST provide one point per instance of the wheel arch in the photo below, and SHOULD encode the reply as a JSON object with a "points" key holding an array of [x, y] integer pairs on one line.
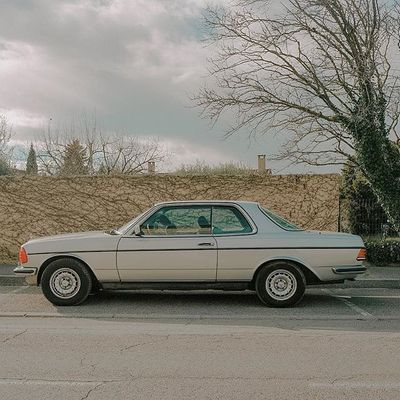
{"points": [[66, 256], [309, 274]]}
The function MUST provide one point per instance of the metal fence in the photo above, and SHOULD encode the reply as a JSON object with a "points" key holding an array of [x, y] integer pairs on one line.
{"points": [[364, 217]]}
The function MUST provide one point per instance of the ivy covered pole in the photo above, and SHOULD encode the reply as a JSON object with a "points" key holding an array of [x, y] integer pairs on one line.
{"points": [[379, 159]]}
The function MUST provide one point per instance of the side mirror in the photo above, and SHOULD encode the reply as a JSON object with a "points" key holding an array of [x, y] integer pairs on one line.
{"points": [[137, 231]]}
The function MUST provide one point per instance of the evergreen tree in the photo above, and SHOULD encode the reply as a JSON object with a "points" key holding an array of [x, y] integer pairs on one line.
{"points": [[4, 166], [102, 170], [31, 162], [74, 159]]}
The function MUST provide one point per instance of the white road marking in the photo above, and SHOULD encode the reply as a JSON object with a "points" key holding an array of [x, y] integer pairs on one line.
{"points": [[342, 297], [354, 307]]}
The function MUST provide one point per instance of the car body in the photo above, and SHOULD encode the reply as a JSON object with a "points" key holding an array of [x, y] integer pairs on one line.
{"points": [[197, 245]]}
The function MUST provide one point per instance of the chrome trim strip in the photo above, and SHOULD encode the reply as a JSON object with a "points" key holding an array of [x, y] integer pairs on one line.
{"points": [[290, 248], [197, 248], [27, 271], [349, 270]]}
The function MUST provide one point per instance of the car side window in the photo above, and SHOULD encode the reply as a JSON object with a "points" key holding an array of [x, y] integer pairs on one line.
{"points": [[178, 220], [228, 220]]}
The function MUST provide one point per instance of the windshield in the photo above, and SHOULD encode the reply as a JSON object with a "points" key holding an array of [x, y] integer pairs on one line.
{"points": [[125, 227], [280, 221]]}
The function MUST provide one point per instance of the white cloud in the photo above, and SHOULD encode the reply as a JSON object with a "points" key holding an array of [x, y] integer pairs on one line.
{"points": [[21, 118], [132, 62], [185, 153]]}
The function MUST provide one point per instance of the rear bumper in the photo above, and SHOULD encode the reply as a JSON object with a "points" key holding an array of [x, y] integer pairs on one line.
{"points": [[30, 274], [349, 270]]}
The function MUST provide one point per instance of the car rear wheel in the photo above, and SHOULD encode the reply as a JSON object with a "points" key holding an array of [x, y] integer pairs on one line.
{"points": [[280, 284], [66, 282]]}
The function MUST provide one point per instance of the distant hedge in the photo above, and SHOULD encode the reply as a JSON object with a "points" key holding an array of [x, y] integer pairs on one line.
{"points": [[383, 251]]}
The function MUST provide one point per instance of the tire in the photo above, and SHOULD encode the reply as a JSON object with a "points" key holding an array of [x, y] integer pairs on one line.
{"points": [[280, 284], [66, 282]]}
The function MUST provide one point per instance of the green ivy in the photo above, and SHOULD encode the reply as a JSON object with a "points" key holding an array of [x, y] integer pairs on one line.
{"points": [[365, 213]]}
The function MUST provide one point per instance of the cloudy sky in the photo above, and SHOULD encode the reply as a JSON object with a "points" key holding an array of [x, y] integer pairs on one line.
{"points": [[132, 63]]}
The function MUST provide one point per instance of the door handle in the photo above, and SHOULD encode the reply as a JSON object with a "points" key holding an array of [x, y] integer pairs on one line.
{"points": [[206, 244]]}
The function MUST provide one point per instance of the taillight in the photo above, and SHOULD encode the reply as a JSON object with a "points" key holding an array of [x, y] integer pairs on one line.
{"points": [[22, 256], [362, 254]]}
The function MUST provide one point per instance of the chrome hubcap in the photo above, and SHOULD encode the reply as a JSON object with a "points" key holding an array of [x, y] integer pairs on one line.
{"points": [[65, 283], [281, 284]]}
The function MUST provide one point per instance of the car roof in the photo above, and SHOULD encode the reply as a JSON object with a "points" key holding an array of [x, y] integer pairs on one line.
{"points": [[239, 202]]}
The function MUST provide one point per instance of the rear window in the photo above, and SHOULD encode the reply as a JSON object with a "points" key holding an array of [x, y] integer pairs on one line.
{"points": [[282, 222], [229, 220]]}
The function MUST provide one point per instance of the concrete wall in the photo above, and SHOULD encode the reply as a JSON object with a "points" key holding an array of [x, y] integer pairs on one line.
{"points": [[38, 206]]}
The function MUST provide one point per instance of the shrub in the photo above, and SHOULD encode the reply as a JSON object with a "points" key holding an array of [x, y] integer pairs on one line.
{"points": [[383, 251], [201, 168]]}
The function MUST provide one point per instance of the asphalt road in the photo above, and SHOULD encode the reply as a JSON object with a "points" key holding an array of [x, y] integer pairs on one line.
{"points": [[337, 344]]}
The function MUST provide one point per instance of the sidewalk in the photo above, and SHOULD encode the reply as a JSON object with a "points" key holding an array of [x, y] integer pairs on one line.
{"points": [[375, 277]]}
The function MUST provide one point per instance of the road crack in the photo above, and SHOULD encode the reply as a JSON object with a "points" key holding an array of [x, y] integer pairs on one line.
{"points": [[143, 344], [13, 336], [83, 364], [90, 391]]}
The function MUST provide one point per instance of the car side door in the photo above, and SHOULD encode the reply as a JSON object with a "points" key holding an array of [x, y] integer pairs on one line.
{"points": [[234, 232], [175, 244]]}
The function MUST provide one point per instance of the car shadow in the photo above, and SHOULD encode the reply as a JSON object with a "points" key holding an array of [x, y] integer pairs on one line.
{"points": [[207, 301], [316, 311]]}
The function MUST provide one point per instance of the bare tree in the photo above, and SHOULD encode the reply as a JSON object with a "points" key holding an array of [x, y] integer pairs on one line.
{"points": [[5, 134], [5, 151], [99, 153], [53, 144], [319, 72], [128, 154]]}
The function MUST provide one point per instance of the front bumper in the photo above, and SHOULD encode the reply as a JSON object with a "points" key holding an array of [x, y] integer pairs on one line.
{"points": [[30, 274]]}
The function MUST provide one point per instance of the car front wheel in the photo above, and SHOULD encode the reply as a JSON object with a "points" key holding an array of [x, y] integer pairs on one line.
{"points": [[280, 284], [66, 282]]}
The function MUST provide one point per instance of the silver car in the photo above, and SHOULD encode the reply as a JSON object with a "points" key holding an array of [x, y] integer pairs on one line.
{"points": [[228, 245]]}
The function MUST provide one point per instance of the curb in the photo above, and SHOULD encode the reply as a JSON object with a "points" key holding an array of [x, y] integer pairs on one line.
{"points": [[10, 280], [184, 317], [364, 284]]}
